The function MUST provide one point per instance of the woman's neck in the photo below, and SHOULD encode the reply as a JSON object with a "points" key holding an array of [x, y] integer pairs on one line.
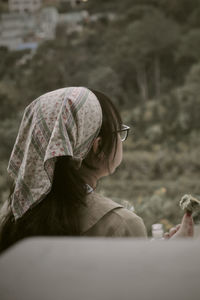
{"points": [[89, 177]]}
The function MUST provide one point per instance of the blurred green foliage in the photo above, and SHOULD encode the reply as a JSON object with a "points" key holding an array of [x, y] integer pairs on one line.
{"points": [[148, 60]]}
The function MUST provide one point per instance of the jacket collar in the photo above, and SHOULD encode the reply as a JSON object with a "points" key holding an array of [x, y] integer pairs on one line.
{"points": [[97, 207]]}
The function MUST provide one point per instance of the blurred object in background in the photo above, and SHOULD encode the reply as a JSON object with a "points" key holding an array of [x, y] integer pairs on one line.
{"points": [[24, 30], [157, 232], [21, 6]]}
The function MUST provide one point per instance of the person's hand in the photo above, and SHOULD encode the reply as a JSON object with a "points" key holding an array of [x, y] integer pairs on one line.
{"points": [[183, 230], [171, 232]]}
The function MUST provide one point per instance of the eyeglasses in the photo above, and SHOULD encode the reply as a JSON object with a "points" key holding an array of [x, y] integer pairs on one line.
{"points": [[124, 132]]}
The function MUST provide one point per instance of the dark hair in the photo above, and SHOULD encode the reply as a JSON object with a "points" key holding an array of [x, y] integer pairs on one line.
{"points": [[57, 213]]}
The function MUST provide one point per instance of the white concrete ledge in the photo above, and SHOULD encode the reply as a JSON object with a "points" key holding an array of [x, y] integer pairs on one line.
{"points": [[100, 268]]}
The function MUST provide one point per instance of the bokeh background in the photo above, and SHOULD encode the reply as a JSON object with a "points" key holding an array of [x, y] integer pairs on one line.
{"points": [[146, 56]]}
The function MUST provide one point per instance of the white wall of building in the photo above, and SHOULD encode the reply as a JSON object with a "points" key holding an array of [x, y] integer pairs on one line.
{"points": [[24, 5]]}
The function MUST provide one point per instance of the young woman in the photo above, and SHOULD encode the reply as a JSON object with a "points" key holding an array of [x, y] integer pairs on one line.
{"points": [[68, 139]]}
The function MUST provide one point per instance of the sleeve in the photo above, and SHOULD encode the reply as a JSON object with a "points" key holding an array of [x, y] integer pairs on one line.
{"points": [[131, 226]]}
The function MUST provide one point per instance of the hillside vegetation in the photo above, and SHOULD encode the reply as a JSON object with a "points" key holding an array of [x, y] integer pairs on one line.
{"points": [[148, 60]]}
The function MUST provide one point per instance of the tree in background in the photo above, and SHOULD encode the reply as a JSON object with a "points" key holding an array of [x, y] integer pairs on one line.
{"points": [[189, 46], [142, 47]]}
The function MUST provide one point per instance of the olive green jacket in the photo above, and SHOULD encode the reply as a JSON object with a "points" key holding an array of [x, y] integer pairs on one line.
{"points": [[104, 217]]}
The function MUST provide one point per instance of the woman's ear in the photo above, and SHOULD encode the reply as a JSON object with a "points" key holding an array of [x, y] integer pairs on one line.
{"points": [[96, 145]]}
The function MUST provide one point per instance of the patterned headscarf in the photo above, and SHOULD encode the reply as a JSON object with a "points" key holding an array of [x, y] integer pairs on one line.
{"points": [[63, 122]]}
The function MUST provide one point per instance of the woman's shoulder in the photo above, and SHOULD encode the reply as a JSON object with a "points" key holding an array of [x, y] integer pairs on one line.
{"points": [[3, 212], [122, 213], [130, 223], [112, 219]]}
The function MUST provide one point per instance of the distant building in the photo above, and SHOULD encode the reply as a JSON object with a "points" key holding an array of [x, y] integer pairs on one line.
{"points": [[74, 2], [71, 3], [29, 23], [15, 28], [47, 20], [109, 16], [74, 21], [31, 46], [24, 5], [25, 30], [74, 18]]}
